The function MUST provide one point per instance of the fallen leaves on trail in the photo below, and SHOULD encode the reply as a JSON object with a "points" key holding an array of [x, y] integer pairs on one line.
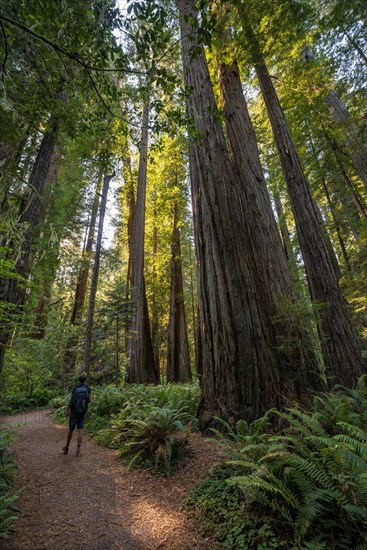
{"points": [[94, 502]]}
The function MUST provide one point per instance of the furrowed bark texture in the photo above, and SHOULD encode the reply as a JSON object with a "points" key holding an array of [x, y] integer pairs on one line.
{"points": [[286, 238], [130, 200], [178, 357], [239, 361], [357, 199], [273, 274], [49, 273], [355, 147], [11, 291], [340, 348], [154, 308], [95, 276], [141, 368]]}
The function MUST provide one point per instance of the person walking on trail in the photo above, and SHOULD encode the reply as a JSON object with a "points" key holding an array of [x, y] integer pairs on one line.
{"points": [[77, 407]]}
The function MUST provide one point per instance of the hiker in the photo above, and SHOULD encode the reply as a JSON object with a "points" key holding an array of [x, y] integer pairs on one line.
{"points": [[77, 407]]}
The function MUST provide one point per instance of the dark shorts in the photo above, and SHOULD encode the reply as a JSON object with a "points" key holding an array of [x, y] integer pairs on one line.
{"points": [[76, 419]]}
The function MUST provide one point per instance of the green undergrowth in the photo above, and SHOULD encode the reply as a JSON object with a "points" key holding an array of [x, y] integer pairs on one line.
{"points": [[146, 424], [8, 510], [303, 488], [13, 402]]}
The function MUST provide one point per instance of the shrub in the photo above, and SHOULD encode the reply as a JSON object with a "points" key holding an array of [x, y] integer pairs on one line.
{"points": [[150, 440], [8, 510], [141, 421], [305, 487], [23, 401], [106, 400], [58, 407]]}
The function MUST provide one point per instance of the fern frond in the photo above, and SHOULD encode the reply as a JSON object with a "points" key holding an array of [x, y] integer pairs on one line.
{"points": [[308, 421], [352, 460], [355, 431], [312, 469]]}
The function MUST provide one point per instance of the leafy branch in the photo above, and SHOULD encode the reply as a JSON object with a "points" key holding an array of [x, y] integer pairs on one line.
{"points": [[72, 55]]}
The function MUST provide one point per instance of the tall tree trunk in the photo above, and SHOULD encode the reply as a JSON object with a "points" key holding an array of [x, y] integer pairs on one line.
{"points": [[155, 316], [334, 216], [286, 238], [355, 147], [141, 368], [289, 251], [95, 275], [70, 355], [329, 245], [130, 199], [12, 290], [178, 356], [273, 273], [81, 286], [358, 201], [71, 348], [8, 151], [49, 272], [342, 356], [10, 155], [336, 223], [117, 343], [193, 302], [243, 371]]}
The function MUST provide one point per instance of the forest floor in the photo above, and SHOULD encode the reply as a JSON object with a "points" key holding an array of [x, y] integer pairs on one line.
{"points": [[94, 502]]}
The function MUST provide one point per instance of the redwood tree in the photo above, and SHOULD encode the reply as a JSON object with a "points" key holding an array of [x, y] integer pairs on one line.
{"points": [[342, 357], [141, 367], [244, 369], [178, 356], [81, 286], [95, 275], [12, 290], [355, 146]]}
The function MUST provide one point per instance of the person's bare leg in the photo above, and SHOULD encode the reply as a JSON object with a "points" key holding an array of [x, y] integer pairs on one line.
{"points": [[68, 439], [79, 442]]}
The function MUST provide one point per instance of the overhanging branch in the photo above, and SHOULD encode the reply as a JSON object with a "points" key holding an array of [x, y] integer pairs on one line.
{"points": [[72, 55]]}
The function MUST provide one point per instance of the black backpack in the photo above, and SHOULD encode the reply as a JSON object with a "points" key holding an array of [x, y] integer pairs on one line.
{"points": [[80, 399]]}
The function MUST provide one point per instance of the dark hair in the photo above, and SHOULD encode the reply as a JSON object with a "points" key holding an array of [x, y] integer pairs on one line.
{"points": [[82, 377]]}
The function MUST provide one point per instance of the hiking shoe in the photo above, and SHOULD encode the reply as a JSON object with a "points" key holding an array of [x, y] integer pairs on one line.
{"points": [[65, 450], [78, 452]]}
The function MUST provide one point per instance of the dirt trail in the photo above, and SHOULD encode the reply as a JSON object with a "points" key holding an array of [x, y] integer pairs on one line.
{"points": [[94, 502]]}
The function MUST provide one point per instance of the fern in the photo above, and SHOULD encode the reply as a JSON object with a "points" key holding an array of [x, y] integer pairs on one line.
{"points": [[308, 482], [142, 439], [8, 511]]}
